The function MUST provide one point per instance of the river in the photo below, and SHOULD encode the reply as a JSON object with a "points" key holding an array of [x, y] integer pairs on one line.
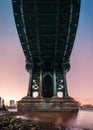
{"points": [[83, 120]]}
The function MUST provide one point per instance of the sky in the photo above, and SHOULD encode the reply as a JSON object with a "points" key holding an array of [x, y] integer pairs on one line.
{"points": [[13, 76]]}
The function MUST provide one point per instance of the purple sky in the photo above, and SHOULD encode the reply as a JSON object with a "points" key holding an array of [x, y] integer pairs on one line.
{"points": [[13, 76]]}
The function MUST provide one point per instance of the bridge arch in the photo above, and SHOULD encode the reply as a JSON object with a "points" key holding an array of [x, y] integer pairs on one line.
{"points": [[47, 85]]}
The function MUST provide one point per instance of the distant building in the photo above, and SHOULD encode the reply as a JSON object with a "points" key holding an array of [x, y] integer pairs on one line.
{"points": [[12, 103], [0, 101], [87, 107]]}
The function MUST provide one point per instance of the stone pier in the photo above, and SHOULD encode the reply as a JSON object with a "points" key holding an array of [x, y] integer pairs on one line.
{"points": [[29, 104]]}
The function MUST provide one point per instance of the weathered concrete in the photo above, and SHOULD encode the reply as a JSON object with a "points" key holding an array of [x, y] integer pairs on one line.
{"points": [[56, 104]]}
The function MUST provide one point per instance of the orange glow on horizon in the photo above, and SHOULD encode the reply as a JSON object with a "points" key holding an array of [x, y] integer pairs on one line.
{"points": [[85, 100]]}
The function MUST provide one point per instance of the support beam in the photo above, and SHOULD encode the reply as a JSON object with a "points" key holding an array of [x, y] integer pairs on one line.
{"points": [[55, 86], [40, 84], [65, 93], [29, 93]]}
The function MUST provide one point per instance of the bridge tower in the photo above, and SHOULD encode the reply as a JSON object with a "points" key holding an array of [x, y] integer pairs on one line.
{"points": [[47, 30], [47, 82]]}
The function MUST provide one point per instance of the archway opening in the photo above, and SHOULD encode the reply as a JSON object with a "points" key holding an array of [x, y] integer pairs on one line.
{"points": [[35, 94], [47, 86], [60, 94]]}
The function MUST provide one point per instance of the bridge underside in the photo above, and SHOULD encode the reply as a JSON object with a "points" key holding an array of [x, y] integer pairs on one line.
{"points": [[47, 30]]}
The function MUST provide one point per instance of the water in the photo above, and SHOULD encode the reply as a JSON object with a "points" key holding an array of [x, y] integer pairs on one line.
{"points": [[83, 120], [12, 109]]}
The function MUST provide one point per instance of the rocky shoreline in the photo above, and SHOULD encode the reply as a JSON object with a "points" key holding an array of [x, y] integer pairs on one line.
{"points": [[8, 121]]}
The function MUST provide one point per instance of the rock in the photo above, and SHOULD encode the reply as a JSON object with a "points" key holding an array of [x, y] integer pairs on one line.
{"points": [[33, 128], [8, 122]]}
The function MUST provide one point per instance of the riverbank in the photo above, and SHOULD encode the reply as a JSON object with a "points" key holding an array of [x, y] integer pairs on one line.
{"points": [[46, 121], [9, 122]]}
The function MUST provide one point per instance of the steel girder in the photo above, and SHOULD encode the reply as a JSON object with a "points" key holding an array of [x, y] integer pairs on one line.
{"points": [[47, 29]]}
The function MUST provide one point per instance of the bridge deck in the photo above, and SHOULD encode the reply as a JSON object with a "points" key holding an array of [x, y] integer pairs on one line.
{"points": [[47, 30]]}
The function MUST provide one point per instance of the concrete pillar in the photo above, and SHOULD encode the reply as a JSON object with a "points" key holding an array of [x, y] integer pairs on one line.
{"points": [[40, 84], [29, 93], [55, 86], [65, 92]]}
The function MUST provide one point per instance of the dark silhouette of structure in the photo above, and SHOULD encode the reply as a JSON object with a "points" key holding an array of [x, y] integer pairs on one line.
{"points": [[47, 30]]}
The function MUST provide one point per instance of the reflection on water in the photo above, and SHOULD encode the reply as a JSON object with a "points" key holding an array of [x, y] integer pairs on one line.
{"points": [[74, 121], [84, 119], [12, 109]]}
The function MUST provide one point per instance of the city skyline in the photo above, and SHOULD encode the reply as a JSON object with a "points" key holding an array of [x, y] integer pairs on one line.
{"points": [[14, 78], [10, 102]]}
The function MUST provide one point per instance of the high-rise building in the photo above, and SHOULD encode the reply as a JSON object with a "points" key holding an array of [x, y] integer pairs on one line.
{"points": [[0, 101], [12, 103]]}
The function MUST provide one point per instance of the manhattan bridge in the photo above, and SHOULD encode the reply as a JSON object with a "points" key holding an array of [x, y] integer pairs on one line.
{"points": [[47, 30]]}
